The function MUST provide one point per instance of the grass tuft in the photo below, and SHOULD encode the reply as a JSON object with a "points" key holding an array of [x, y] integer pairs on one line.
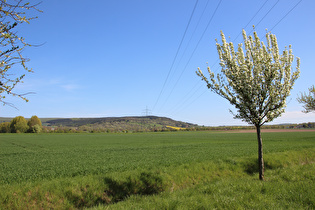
{"points": [[146, 184]]}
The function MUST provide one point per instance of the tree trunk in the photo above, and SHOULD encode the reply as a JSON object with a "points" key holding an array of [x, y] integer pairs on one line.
{"points": [[260, 154]]}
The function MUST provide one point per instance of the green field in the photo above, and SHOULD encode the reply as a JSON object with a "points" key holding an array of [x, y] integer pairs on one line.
{"points": [[68, 170]]}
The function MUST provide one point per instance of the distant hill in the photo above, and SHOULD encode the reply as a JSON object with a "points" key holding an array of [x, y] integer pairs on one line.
{"points": [[145, 121]]}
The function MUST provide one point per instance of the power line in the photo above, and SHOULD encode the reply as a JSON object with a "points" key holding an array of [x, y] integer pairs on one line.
{"points": [[180, 105], [251, 19], [187, 96], [185, 100], [204, 9], [286, 15], [194, 50], [265, 15], [175, 55], [194, 100]]}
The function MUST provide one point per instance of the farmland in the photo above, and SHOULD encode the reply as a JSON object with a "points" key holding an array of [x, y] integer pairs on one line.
{"points": [[188, 160]]}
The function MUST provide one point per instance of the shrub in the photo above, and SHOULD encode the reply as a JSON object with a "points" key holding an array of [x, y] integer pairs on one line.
{"points": [[36, 129]]}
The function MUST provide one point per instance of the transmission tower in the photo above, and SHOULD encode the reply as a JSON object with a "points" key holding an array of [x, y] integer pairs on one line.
{"points": [[146, 112]]}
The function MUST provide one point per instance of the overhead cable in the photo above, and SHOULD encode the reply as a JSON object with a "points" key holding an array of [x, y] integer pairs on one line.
{"points": [[194, 49], [251, 19], [265, 15], [175, 55], [286, 15]]}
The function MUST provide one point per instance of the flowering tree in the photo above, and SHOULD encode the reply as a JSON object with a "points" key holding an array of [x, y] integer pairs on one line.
{"points": [[256, 82], [12, 14], [308, 100]]}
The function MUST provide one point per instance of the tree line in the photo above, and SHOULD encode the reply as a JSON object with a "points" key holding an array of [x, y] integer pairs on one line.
{"points": [[20, 125]]}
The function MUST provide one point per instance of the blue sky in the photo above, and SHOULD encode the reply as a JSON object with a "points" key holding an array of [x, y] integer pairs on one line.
{"points": [[112, 58]]}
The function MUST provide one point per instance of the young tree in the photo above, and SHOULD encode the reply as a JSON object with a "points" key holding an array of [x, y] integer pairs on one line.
{"points": [[19, 125], [256, 82], [12, 14], [308, 100]]}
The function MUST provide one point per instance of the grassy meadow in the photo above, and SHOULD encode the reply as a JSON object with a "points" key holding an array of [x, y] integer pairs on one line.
{"points": [[171, 170]]}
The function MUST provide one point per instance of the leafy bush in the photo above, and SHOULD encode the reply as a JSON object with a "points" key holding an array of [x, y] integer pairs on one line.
{"points": [[36, 129]]}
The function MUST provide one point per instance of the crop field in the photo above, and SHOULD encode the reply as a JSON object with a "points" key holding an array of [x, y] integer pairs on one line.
{"points": [[29, 161]]}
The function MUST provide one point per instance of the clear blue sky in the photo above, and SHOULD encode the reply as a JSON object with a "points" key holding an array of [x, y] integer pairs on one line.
{"points": [[112, 58]]}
